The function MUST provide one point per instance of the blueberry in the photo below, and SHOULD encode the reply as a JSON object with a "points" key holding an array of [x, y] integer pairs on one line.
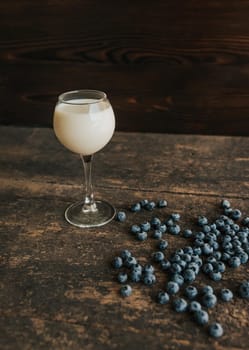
{"points": [[175, 268], [215, 330], [162, 203], [225, 204], [125, 254], [180, 305], [215, 276], [155, 222], [148, 269], [122, 277], [165, 264], [189, 275], [121, 216], [191, 292], [136, 207], [194, 266], [202, 220], [157, 234], [126, 290], [219, 266], [244, 289], [145, 226], [235, 214], [207, 290], [209, 300], [141, 236], [169, 222], [175, 217], [135, 229], [194, 306], [245, 221], [162, 228], [177, 278], [226, 294], [130, 261], [144, 202], [163, 297], [174, 229], [201, 317], [137, 267], [149, 279], [117, 262], [207, 268], [234, 261], [150, 206], [172, 287], [206, 228], [243, 256], [135, 276], [162, 244], [187, 233], [188, 250], [158, 256]]}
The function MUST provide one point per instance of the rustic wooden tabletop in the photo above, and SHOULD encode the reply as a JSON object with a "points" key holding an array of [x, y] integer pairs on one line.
{"points": [[58, 288]]}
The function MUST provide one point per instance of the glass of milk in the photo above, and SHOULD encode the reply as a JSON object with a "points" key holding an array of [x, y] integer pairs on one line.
{"points": [[84, 123]]}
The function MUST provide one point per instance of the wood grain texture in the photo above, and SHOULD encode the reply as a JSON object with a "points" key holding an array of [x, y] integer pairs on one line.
{"points": [[176, 67], [58, 290]]}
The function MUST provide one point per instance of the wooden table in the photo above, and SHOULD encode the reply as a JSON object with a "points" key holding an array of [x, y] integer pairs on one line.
{"points": [[58, 289]]}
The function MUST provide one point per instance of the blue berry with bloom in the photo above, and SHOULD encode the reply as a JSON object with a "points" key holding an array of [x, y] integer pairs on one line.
{"points": [[177, 278], [201, 317], [150, 206], [234, 261], [135, 276], [145, 226], [149, 279], [187, 233], [135, 229], [226, 294], [165, 265], [130, 261], [175, 217], [235, 214], [148, 269], [126, 290], [117, 262], [155, 222], [202, 220], [194, 306], [225, 204], [180, 305], [141, 236], [163, 297], [144, 202], [209, 300], [215, 276], [189, 275], [244, 290], [121, 216], [172, 288], [158, 256], [207, 290], [215, 330], [136, 207], [122, 277], [162, 203], [245, 221], [157, 234], [174, 229], [191, 292], [125, 254], [162, 244]]}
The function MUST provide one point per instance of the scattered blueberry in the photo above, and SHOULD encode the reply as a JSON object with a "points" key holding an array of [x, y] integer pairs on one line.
{"points": [[175, 217], [189, 275], [209, 300], [141, 236], [117, 262], [125, 254], [194, 306], [158, 256], [187, 233], [244, 290], [165, 264], [174, 229], [126, 290], [234, 261], [162, 244], [121, 216], [163, 297], [201, 317], [172, 287], [191, 292], [150, 206], [226, 294], [177, 278], [202, 220], [122, 277], [149, 279], [215, 330], [135, 229], [207, 290], [148, 269], [180, 305], [225, 204], [144, 202], [157, 234], [136, 207], [145, 226], [235, 214], [162, 203], [135, 275], [155, 222], [130, 261]]}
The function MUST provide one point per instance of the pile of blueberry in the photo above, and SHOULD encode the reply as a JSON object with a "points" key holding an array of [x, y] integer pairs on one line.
{"points": [[216, 245]]}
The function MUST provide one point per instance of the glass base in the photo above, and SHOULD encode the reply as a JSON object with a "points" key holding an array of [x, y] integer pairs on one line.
{"points": [[75, 216]]}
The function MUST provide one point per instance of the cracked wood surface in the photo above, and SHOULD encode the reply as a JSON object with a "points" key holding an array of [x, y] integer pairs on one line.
{"points": [[58, 290]]}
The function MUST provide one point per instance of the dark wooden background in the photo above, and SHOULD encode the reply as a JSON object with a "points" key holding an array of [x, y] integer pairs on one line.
{"points": [[167, 66]]}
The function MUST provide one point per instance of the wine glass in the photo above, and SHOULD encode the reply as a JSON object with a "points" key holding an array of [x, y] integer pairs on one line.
{"points": [[84, 122]]}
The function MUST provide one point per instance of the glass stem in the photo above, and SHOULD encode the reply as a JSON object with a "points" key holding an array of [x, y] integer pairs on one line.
{"points": [[89, 203]]}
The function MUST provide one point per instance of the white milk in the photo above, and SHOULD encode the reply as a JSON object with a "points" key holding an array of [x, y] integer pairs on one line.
{"points": [[84, 128]]}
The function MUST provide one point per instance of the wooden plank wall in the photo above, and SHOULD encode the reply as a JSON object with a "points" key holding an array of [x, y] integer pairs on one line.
{"points": [[168, 66]]}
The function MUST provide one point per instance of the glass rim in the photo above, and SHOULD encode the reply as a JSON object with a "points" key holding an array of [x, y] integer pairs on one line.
{"points": [[99, 96]]}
